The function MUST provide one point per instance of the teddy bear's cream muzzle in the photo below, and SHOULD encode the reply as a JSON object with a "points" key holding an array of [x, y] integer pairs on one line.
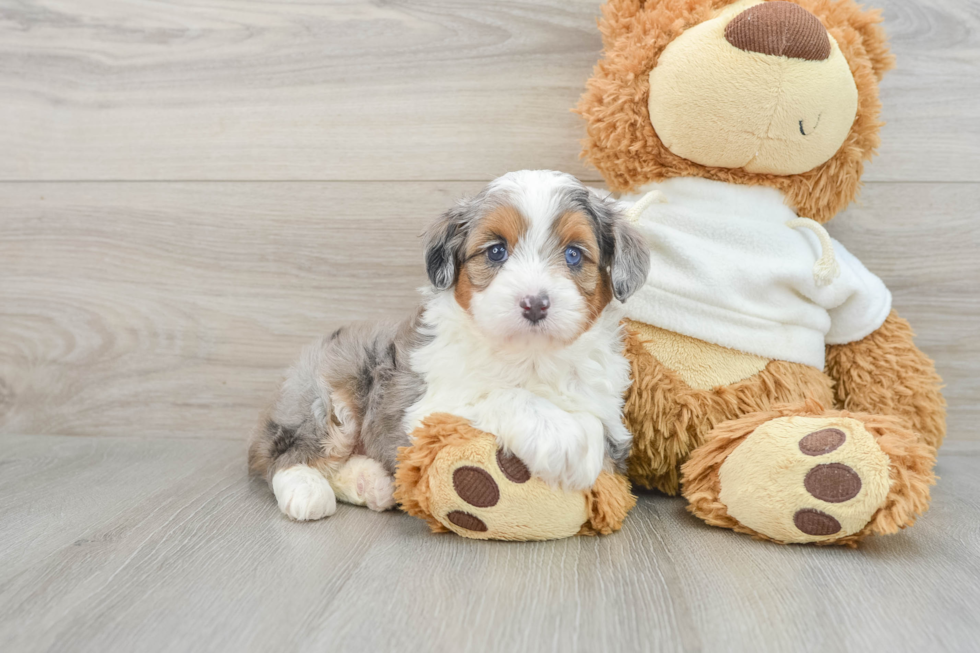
{"points": [[764, 90]]}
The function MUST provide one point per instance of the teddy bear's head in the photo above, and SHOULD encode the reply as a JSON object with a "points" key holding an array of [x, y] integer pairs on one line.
{"points": [[783, 94]]}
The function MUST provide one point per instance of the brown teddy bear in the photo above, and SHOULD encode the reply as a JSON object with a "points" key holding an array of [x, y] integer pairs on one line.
{"points": [[774, 386]]}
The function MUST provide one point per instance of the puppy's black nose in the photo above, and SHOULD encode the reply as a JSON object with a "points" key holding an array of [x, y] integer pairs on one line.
{"points": [[535, 307]]}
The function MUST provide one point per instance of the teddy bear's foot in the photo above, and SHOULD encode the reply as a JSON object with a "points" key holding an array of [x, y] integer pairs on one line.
{"points": [[457, 478], [802, 474]]}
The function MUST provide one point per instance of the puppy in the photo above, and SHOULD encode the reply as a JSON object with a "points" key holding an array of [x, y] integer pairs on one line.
{"points": [[519, 333]]}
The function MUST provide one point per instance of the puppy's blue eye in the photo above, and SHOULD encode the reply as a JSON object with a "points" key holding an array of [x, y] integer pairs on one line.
{"points": [[573, 255], [497, 253]]}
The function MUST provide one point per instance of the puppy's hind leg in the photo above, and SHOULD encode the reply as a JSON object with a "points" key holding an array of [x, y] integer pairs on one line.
{"points": [[363, 481], [303, 494], [288, 458], [301, 440]]}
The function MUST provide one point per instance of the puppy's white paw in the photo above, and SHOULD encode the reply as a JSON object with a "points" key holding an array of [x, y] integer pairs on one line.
{"points": [[364, 481], [564, 449], [303, 493], [378, 492]]}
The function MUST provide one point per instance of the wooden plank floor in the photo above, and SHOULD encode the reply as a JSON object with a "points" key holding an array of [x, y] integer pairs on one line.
{"points": [[191, 191], [143, 544]]}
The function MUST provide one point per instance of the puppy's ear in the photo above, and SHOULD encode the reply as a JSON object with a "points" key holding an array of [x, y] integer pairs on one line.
{"points": [[624, 250], [631, 259], [444, 241]]}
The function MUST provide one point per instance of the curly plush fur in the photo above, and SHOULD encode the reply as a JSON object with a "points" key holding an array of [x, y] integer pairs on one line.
{"points": [[621, 140], [411, 476], [885, 373], [607, 504]]}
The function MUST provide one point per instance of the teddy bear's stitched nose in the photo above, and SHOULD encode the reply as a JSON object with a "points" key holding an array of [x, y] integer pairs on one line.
{"points": [[779, 28]]}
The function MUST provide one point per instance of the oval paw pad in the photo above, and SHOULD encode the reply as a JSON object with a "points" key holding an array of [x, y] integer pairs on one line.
{"points": [[467, 521], [814, 522], [476, 487], [833, 483], [513, 467], [823, 441]]}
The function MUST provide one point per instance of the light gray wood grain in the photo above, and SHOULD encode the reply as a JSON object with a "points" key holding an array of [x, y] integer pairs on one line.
{"points": [[161, 314], [923, 240], [932, 131], [126, 544], [291, 90], [145, 309], [261, 89], [172, 308]]}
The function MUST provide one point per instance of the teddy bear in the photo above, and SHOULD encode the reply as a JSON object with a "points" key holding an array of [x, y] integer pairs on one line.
{"points": [[774, 385]]}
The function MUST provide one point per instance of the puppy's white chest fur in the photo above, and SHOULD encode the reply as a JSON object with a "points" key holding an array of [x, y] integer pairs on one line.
{"points": [[552, 406]]}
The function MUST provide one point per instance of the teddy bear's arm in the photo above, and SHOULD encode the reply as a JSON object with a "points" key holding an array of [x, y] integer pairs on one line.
{"points": [[886, 374]]}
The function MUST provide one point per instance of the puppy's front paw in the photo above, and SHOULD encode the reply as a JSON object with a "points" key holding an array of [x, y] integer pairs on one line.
{"points": [[303, 493], [562, 449]]}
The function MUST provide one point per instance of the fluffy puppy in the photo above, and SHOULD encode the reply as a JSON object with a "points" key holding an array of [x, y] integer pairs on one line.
{"points": [[519, 333]]}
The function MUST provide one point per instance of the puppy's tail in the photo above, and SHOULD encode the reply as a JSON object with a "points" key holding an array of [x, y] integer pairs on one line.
{"points": [[274, 447], [294, 432]]}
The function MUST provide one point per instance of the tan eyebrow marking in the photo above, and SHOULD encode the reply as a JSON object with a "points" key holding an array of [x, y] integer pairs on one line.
{"points": [[476, 272], [576, 228]]}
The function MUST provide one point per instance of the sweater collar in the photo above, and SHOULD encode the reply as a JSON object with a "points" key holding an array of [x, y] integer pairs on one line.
{"points": [[708, 196]]}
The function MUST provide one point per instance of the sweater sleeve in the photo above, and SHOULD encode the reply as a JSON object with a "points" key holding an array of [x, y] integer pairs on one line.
{"points": [[866, 301]]}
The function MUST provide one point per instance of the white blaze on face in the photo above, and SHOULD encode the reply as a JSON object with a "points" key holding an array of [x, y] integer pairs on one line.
{"points": [[530, 271], [535, 266]]}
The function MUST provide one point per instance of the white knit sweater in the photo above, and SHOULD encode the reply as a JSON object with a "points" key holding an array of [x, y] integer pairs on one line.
{"points": [[726, 269]]}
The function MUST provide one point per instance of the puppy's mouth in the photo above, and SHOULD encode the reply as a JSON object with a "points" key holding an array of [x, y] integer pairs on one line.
{"points": [[548, 333]]}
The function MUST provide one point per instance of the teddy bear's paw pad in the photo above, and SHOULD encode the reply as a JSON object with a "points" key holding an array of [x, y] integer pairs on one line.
{"points": [[814, 522], [513, 467], [833, 483], [476, 487], [482, 492], [466, 521], [823, 441], [806, 479]]}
